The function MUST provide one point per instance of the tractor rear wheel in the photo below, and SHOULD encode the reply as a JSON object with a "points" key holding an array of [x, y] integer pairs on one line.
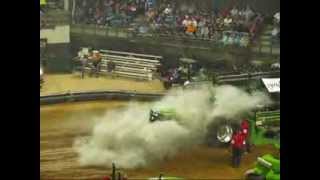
{"points": [[219, 132], [254, 176]]}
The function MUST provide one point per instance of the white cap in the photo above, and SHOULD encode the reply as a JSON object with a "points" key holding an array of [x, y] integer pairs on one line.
{"points": [[186, 83]]}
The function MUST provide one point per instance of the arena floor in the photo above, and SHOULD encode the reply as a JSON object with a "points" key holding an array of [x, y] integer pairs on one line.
{"points": [[61, 124], [61, 83]]}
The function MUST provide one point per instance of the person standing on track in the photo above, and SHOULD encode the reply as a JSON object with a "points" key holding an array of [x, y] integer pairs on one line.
{"points": [[245, 131], [96, 60], [106, 178], [237, 143]]}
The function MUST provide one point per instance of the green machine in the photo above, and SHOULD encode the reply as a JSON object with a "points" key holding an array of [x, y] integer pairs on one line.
{"points": [[162, 114], [267, 167], [265, 128]]}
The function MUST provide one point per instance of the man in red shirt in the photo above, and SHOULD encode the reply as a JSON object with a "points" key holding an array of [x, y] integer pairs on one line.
{"points": [[237, 143], [245, 131], [106, 178]]}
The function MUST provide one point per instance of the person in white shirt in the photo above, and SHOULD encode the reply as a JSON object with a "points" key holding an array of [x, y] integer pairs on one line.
{"points": [[241, 13], [248, 13], [204, 30], [168, 10], [227, 21], [277, 17], [194, 22], [275, 32], [234, 12], [185, 21]]}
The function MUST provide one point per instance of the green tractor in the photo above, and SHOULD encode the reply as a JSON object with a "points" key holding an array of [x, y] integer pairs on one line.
{"points": [[264, 126], [264, 122], [162, 114], [267, 168]]}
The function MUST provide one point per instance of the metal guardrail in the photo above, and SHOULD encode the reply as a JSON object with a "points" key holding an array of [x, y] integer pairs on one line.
{"points": [[129, 32], [247, 76], [97, 95]]}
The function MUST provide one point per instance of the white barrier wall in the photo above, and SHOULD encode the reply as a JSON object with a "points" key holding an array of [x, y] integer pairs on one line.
{"points": [[58, 35]]}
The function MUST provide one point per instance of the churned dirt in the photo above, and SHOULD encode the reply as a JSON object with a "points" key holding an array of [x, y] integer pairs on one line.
{"points": [[61, 124]]}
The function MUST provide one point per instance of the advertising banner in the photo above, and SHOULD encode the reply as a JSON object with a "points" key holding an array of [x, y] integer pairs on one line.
{"points": [[272, 84]]}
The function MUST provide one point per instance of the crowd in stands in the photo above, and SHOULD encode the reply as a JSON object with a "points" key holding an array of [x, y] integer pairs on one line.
{"points": [[276, 26], [242, 24], [109, 12], [233, 26]]}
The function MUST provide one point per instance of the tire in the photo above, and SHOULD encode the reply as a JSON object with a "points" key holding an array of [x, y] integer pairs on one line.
{"points": [[255, 177], [213, 129]]}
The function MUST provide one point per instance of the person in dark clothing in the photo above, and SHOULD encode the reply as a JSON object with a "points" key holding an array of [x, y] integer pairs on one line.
{"points": [[96, 60], [111, 66], [83, 61], [237, 144]]}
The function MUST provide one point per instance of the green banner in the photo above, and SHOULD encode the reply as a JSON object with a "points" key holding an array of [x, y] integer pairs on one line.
{"points": [[43, 2]]}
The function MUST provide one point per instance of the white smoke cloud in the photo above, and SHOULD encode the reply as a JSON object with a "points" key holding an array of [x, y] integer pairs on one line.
{"points": [[127, 138]]}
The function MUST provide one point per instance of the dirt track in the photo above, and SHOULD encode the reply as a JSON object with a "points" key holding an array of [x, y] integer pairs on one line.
{"points": [[60, 124]]}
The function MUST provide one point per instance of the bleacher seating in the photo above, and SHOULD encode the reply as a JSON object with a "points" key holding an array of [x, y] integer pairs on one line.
{"points": [[131, 65]]}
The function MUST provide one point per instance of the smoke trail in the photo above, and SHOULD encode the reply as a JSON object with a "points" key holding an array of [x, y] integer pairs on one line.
{"points": [[127, 138]]}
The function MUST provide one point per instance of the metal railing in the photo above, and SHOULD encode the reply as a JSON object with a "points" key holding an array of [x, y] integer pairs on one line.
{"points": [[247, 76]]}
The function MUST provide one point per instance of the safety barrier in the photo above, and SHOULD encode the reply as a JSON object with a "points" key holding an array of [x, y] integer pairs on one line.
{"points": [[247, 76], [118, 174], [98, 95]]}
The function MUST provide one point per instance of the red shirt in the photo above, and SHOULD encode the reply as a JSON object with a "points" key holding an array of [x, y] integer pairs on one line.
{"points": [[238, 140], [245, 128], [106, 178]]}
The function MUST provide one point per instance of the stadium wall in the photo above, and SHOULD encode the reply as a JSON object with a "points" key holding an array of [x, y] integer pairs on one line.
{"points": [[58, 58]]}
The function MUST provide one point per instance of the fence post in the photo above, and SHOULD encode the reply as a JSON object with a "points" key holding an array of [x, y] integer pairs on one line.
{"points": [[271, 44], [82, 28], [113, 175]]}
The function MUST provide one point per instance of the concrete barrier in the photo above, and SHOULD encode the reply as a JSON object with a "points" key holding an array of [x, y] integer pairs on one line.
{"points": [[98, 95]]}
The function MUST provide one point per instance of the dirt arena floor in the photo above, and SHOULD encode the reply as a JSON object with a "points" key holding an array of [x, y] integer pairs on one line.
{"points": [[61, 83], [61, 124]]}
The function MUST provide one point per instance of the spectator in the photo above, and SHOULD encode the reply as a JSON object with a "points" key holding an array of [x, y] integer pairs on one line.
{"points": [[244, 41], [248, 14], [96, 60], [277, 17], [234, 12], [275, 32], [111, 66], [227, 21], [191, 27], [185, 23], [168, 10], [203, 26]]}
